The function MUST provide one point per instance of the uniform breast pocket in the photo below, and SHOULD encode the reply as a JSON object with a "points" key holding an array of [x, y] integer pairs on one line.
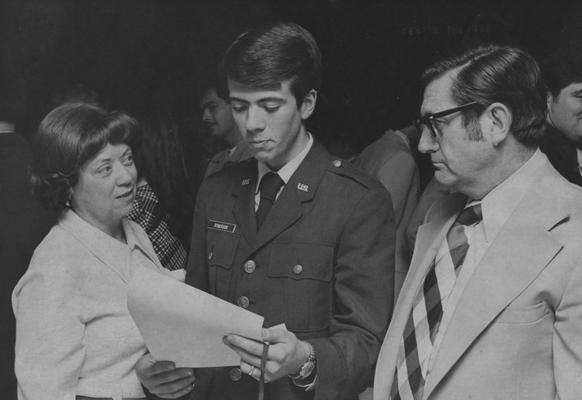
{"points": [[221, 249], [302, 273]]}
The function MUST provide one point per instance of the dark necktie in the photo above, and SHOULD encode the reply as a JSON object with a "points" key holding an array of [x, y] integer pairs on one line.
{"points": [[268, 188], [422, 325]]}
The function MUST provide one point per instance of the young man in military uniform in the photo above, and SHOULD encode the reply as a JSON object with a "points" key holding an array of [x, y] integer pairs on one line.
{"points": [[293, 234]]}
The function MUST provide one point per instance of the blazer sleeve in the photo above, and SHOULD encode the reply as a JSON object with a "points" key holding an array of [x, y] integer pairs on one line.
{"points": [[363, 300], [567, 343], [49, 332]]}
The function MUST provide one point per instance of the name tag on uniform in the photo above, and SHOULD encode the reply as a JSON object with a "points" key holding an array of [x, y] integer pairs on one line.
{"points": [[221, 226]]}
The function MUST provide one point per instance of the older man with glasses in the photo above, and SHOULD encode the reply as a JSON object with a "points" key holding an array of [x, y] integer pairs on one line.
{"points": [[491, 307]]}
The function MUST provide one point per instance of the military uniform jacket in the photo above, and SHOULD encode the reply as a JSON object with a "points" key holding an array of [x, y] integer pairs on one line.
{"points": [[322, 263]]}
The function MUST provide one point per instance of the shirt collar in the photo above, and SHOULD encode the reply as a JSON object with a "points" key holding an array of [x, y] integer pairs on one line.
{"points": [[100, 243], [498, 205], [133, 238], [287, 170]]}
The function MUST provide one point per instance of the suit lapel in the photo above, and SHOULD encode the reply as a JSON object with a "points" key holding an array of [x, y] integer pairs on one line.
{"points": [[521, 250], [244, 202], [428, 240], [301, 188]]}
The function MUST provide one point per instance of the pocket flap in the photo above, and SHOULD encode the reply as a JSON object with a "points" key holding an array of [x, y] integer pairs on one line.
{"points": [[301, 261], [523, 315], [221, 248]]}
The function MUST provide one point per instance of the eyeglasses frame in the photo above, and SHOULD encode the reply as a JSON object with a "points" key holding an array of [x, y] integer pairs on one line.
{"points": [[428, 119]]}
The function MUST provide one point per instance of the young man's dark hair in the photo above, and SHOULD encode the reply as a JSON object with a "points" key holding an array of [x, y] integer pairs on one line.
{"points": [[265, 57]]}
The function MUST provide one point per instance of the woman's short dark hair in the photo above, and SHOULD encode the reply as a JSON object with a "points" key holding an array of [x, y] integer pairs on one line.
{"points": [[68, 137], [265, 57], [508, 75]]}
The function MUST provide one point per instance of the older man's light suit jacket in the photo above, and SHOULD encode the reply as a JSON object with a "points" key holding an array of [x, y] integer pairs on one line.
{"points": [[516, 332]]}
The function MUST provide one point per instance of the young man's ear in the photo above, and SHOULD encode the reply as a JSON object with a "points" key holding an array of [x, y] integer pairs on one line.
{"points": [[308, 105], [498, 122]]}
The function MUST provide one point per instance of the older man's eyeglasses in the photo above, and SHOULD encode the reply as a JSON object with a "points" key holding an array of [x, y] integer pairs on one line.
{"points": [[429, 120]]}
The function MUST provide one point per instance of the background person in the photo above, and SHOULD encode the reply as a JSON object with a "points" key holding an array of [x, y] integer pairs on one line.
{"points": [[74, 336], [389, 159], [24, 223], [562, 73], [163, 202], [218, 121]]}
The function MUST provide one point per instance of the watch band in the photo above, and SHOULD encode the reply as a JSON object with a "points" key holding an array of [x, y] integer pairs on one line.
{"points": [[306, 369]]}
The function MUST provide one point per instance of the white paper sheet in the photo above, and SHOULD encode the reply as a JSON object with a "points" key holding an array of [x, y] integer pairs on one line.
{"points": [[186, 325]]}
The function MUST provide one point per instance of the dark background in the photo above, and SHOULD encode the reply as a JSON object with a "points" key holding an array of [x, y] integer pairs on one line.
{"points": [[139, 53], [132, 51]]}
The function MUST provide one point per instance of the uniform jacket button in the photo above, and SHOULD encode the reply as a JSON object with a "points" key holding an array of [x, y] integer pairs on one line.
{"points": [[297, 269], [250, 266], [243, 301], [235, 374]]}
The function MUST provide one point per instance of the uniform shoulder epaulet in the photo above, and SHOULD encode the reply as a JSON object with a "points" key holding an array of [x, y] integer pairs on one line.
{"points": [[235, 168], [348, 170], [228, 176]]}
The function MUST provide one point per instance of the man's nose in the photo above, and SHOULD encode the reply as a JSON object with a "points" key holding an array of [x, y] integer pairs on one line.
{"points": [[206, 115], [427, 143], [255, 121]]}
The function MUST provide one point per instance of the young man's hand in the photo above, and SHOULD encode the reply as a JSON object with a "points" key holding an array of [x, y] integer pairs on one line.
{"points": [[285, 356]]}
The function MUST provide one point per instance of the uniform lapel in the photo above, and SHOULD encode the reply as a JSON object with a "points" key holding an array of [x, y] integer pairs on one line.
{"points": [[521, 250], [244, 201], [300, 189], [428, 240]]}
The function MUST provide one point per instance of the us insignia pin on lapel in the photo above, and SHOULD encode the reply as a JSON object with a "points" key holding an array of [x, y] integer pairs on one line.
{"points": [[303, 187], [245, 181]]}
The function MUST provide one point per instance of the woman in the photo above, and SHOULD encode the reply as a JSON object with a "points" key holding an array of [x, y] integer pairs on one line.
{"points": [[74, 335]]}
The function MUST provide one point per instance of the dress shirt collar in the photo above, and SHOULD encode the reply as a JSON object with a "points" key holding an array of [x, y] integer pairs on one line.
{"points": [[287, 170], [498, 204]]}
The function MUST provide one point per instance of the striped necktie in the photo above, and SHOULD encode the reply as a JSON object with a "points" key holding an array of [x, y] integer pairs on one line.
{"points": [[419, 333]]}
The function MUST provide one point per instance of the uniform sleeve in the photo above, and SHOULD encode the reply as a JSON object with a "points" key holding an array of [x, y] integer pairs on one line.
{"points": [[567, 346], [363, 299], [197, 273], [49, 333]]}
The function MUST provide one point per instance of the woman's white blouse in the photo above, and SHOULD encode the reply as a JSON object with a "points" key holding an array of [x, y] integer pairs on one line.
{"points": [[74, 335]]}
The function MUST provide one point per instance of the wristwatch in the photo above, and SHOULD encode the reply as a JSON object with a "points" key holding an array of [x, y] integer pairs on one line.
{"points": [[306, 368]]}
